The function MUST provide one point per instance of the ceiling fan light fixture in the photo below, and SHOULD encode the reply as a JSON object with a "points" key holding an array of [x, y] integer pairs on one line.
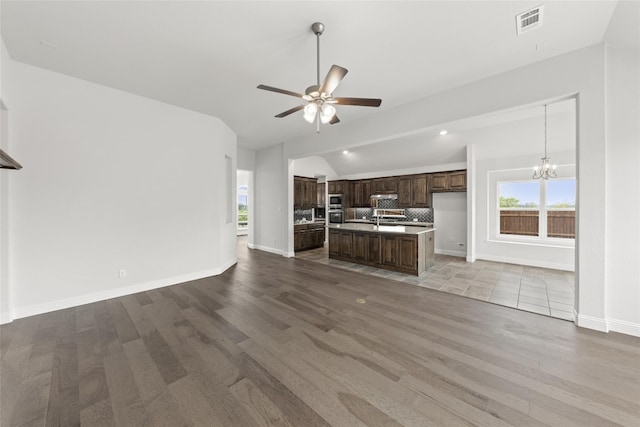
{"points": [[310, 111], [320, 95], [326, 113]]}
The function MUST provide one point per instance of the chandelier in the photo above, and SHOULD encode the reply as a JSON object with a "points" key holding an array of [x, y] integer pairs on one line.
{"points": [[546, 170]]}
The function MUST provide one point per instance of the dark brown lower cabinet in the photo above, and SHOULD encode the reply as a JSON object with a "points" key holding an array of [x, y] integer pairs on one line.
{"points": [[346, 245], [390, 251], [374, 251], [334, 243], [308, 236], [410, 254], [360, 246], [406, 250]]}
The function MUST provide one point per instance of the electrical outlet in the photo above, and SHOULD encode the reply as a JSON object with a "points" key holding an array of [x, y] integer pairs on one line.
{"points": [[122, 273], [460, 245]]}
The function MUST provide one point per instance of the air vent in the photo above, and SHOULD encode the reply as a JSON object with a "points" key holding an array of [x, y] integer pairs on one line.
{"points": [[529, 20]]}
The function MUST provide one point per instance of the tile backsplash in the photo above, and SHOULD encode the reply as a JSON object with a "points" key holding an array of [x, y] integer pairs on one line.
{"points": [[422, 214], [300, 214]]}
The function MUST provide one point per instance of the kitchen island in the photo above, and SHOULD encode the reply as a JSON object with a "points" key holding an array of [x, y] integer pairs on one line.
{"points": [[402, 248]]}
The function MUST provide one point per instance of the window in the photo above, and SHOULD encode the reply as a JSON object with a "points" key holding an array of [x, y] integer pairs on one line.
{"points": [[519, 207], [537, 208], [561, 208], [243, 207]]}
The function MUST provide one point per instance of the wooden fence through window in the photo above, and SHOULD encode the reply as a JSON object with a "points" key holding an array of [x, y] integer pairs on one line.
{"points": [[560, 224]]}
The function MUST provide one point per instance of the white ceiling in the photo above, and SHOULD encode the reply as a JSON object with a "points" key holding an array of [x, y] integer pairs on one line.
{"points": [[209, 56], [504, 134]]}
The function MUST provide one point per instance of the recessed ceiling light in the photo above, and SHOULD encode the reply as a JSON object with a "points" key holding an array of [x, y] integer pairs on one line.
{"points": [[345, 152], [443, 132]]}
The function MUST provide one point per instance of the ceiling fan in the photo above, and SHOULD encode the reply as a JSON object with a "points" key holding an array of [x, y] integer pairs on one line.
{"points": [[319, 97]]}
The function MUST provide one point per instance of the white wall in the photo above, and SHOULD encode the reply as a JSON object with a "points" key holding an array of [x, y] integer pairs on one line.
{"points": [[111, 181], [5, 315], [271, 186], [450, 219], [622, 203], [313, 167], [246, 159]]}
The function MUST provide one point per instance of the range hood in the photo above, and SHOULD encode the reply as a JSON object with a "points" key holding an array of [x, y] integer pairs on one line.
{"points": [[7, 162], [385, 196]]}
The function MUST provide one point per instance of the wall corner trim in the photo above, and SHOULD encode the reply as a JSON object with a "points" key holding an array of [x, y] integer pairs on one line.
{"points": [[32, 310], [459, 254], [590, 322], [267, 249], [5, 318]]}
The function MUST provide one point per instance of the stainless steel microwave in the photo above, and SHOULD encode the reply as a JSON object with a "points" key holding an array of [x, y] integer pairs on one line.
{"points": [[335, 201]]}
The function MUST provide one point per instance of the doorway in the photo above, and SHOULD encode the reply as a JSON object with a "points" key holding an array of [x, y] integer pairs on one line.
{"points": [[243, 202]]}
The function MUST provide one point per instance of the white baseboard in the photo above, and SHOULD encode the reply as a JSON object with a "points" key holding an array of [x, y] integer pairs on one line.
{"points": [[451, 253], [289, 254], [267, 249], [5, 318], [528, 262], [32, 310], [624, 327], [590, 322], [228, 266]]}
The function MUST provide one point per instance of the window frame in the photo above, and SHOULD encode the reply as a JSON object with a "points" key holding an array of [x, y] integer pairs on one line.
{"points": [[495, 178]]}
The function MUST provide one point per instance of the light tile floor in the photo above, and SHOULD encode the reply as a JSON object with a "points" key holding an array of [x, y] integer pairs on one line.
{"points": [[538, 290]]}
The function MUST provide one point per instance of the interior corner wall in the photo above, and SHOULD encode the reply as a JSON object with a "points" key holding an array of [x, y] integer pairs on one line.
{"points": [[312, 167], [228, 207], [5, 176], [450, 219], [110, 181], [246, 159], [622, 203], [271, 192]]}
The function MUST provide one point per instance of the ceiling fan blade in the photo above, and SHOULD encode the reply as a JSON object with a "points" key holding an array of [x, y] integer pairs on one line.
{"points": [[364, 102], [284, 91], [333, 78], [334, 120], [290, 111]]}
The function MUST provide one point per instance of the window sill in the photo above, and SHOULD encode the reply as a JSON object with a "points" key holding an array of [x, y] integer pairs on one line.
{"points": [[535, 242]]}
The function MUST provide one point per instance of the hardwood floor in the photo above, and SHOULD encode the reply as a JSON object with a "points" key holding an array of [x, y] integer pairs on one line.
{"points": [[284, 342], [538, 290]]}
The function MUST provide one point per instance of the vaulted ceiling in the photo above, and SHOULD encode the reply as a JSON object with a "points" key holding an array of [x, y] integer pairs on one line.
{"points": [[209, 56]]}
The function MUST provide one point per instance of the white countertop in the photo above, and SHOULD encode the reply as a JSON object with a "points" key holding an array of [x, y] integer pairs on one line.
{"points": [[386, 228], [411, 223]]}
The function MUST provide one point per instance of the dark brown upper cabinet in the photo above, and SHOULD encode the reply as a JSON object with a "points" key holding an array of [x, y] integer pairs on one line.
{"points": [[449, 181], [413, 191], [322, 198], [387, 185], [336, 187], [305, 192], [361, 193]]}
